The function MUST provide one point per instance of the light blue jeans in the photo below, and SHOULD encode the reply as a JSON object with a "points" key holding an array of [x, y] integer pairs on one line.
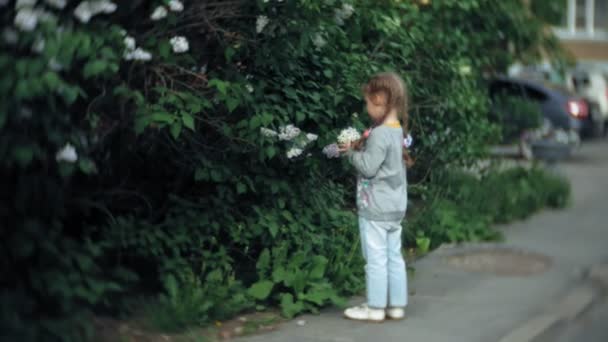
{"points": [[385, 273]]}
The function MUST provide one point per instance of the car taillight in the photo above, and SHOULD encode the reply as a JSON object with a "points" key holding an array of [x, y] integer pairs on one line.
{"points": [[578, 109]]}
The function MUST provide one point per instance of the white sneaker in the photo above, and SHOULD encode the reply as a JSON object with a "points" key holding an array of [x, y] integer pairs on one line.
{"points": [[395, 313], [365, 313]]}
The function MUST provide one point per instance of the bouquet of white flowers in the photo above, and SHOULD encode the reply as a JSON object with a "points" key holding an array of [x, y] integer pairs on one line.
{"points": [[348, 135]]}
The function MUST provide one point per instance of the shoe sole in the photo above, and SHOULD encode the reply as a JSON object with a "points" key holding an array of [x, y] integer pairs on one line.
{"points": [[365, 320]]}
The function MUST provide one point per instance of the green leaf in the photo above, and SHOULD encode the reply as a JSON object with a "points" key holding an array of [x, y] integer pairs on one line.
{"points": [[271, 151], [201, 174], [232, 103], [220, 85], [70, 94], [261, 290], [280, 275], [216, 176], [87, 166], [318, 269], [176, 129], [141, 123], [241, 188], [162, 117], [94, 68], [318, 296], [289, 307], [423, 244], [255, 122], [263, 264], [51, 79], [23, 155], [300, 116], [164, 50], [229, 53], [188, 121], [273, 227]]}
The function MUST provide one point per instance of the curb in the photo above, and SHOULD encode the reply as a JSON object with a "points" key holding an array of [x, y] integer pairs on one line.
{"points": [[573, 304]]}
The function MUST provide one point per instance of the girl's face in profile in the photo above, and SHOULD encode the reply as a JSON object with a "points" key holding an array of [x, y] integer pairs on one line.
{"points": [[376, 106]]}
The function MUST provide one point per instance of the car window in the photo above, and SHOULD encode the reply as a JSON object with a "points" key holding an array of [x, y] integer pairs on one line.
{"points": [[534, 94], [501, 88]]}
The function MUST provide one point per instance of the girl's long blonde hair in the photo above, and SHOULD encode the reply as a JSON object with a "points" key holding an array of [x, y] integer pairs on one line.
{"points": [[394, 90]]}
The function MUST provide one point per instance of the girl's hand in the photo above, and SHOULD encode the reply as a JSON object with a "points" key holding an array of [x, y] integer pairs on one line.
{"points": [[345, 147]]}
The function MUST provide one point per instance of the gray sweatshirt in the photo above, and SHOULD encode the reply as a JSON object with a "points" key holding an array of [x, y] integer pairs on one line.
{"points": [[382, 182]]}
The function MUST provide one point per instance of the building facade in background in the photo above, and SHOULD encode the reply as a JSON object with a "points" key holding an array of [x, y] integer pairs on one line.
{"points": [[584, 31]]}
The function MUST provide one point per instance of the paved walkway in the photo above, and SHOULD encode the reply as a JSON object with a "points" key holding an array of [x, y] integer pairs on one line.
{"points": [[454, 305]]}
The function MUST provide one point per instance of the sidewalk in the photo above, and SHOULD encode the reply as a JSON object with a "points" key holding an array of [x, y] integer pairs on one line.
{"points": [[451, 304]]}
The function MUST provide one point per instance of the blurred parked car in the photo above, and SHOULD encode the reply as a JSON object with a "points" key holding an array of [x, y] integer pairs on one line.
{"points": [[563, 109], [593, 86]]}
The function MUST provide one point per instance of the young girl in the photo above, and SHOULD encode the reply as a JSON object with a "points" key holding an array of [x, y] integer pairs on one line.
{"points": [[381, 158]]}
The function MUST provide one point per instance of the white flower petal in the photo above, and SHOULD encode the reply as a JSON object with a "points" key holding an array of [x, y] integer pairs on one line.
{"points": [[176, 6], [129, 42], [67, 154], [179, 44], [348, 135], [294, 152], [268, 132], [261, 23], [311, 137], [26, 19], [159, 13], [88, 9]]}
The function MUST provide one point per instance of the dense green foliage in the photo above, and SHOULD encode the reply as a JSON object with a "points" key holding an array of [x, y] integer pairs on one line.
{"points": [[125, 176], [468, 205]]}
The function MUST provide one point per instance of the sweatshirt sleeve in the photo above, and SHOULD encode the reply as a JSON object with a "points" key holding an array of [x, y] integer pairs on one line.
{"points": [[368, 161]]}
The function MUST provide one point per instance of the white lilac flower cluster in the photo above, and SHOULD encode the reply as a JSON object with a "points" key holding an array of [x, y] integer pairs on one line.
{"points": [[294, 152], [288, 132], [67, 154], [343, 13], [318, 40], [179, 44], [260, 23], [28, 16], [135, 53], [331, 151], [161, 12], [293, 136], [88, 9], [348, 135]]}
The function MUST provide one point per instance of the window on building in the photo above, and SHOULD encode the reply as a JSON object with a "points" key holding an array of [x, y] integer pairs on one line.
{"points": [[580, 15], [601, 15], [585, 19]]}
